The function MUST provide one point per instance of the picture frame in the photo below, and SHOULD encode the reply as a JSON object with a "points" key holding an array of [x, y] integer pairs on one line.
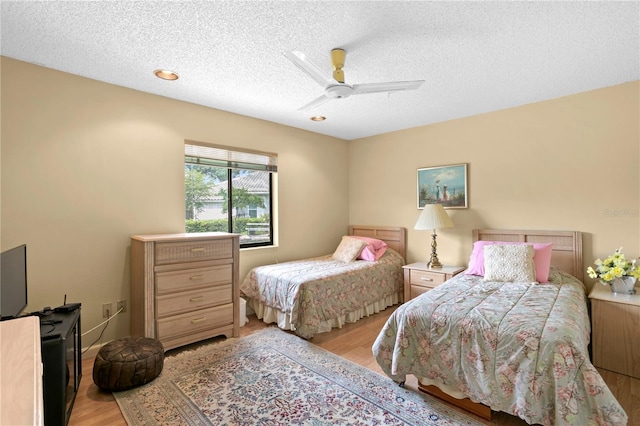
{"points": [[446, 185]]}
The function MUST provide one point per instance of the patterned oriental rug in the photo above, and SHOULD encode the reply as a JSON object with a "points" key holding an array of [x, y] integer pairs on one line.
{"points": [[276, 378]]}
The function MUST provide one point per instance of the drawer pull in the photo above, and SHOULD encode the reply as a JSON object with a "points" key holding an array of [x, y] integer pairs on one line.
{"points": [[197, 249], [196, 298], [196, 277], [426, 279], [197, 320]]}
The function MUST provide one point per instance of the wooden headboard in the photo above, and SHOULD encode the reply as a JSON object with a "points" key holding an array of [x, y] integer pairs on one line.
{"points": [[394, 236], [567, 245]]}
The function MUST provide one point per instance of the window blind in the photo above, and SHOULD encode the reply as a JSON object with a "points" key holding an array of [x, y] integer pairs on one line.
{"points": [[231, 157]]}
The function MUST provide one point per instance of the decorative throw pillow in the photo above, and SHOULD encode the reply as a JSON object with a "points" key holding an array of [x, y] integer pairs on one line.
{"points": [[374, 249], [348, 249], [512, 263], [541, 258]]}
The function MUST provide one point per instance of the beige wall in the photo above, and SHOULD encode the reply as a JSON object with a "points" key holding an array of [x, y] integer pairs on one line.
{"points": [[566, 164], [86, 164]]}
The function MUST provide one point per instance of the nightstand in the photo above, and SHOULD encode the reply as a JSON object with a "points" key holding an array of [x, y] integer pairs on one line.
{"points": [[615, 332], [419, 278]]}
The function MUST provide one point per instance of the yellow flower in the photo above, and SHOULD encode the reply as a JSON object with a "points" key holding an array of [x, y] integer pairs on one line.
{"points": [[617, 271], [614, 266], [607, 276]]}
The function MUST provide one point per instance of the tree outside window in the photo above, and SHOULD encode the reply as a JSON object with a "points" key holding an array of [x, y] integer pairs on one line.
{"points": [[209, 208]]}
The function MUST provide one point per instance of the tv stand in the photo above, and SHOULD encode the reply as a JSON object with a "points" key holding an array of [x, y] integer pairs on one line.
{"points": [[61, 345]]}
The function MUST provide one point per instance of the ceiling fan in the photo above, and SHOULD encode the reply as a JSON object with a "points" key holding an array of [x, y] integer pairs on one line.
{"points": [[335, 87]]}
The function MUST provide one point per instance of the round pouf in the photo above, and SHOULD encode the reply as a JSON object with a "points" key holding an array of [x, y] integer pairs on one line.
{"points": [[128, 362]]}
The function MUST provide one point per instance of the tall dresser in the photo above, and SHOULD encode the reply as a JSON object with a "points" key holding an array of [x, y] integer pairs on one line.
{"points": [[185, 287]]}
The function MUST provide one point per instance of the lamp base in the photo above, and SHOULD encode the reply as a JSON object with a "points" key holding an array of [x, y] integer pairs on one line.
{"points": [[433, 262]]}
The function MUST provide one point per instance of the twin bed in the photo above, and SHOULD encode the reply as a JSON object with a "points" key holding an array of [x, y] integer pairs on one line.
{"points": [[491, 343], [315, 295], [484, 341]]}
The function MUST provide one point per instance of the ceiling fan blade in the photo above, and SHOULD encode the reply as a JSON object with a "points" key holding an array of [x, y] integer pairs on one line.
{"points": [[314, 103], [393, 86], [314, 71]]}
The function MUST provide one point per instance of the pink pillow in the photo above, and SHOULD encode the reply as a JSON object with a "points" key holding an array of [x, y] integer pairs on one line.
{"points": [[373, 250], [541, 258]]}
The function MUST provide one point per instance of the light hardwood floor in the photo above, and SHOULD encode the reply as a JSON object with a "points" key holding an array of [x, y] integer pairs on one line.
{"points": [[353, 341]]}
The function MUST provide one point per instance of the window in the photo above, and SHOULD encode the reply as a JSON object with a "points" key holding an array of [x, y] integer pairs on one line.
{"points": [[229, 190]]}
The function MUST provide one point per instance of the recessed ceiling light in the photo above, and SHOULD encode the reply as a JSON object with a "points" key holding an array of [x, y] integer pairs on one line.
{"points": [[166, 74], [318, 118]]}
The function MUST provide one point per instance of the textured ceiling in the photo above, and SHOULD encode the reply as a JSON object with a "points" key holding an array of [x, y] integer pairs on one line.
{"points": [[475, 57]]}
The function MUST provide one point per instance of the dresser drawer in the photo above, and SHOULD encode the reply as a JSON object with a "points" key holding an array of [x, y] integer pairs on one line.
{"points": [[189, 279], [426, 278], [172, 304], [194, 321], [192, 251]]}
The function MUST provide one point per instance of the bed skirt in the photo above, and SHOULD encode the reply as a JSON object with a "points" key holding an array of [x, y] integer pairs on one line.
{"points": [[273, 315]]}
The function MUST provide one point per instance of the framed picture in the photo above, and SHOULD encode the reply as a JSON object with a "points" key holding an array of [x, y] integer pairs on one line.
{"points": [[446, 185]]}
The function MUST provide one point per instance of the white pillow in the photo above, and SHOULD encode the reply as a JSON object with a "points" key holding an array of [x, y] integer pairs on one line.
{"points": [[348, 249], [509, 263]]}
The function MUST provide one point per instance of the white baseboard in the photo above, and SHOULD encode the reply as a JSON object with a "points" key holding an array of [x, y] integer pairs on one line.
{"points": [[91, 353]]}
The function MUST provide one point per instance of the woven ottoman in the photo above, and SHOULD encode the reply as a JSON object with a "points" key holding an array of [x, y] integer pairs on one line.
{"points": [[128, 362]]}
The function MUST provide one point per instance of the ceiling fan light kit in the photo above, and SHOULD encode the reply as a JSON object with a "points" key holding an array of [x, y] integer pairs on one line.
{"points": [[335, 87]]}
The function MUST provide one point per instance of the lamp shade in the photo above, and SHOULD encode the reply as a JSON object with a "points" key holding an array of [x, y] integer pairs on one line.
{"points": [[433, 216]]}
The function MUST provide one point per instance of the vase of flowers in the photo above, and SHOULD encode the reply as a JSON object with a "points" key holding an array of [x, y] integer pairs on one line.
{"points": [[616, 271]]}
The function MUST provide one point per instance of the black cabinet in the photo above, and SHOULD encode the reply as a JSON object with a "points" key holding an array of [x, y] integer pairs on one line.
{"points": [[62, 364]]}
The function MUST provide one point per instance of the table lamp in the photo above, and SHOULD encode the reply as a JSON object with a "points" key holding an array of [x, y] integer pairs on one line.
{"points": [[434, 217]]}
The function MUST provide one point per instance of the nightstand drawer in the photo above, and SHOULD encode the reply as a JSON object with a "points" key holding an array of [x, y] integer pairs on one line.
{"points": [[419, 278], [426, 278], [417, 290]]}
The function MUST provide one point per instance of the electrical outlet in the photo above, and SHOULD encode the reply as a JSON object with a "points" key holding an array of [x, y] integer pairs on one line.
{"points": [[122, 304], [107, 310]]}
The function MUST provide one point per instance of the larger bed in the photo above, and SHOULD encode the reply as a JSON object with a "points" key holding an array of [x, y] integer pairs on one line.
{"points": [[314, 295], [512, 346]]}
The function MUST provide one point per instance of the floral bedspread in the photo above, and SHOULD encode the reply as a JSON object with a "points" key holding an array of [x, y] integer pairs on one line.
{"points": [[321, 289], [520, 348]]}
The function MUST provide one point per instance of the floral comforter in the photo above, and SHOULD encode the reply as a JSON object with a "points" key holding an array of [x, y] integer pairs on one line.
{"points": [[321, 289], [516, 347]]}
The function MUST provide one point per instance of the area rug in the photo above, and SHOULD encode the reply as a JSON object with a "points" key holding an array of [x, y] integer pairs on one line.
{"points": [[273, 377]]}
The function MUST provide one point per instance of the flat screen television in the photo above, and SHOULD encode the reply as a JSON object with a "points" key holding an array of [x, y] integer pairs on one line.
{"points": [[13, 282]]}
